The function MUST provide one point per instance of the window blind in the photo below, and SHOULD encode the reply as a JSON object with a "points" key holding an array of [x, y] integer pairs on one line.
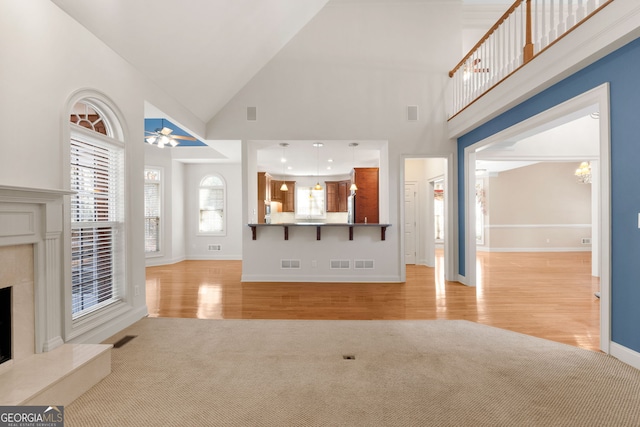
{"points": [[96, 219], [211, 209], [152, 217]]}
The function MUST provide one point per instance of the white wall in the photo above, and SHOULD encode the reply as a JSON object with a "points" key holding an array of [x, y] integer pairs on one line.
{"points": [[541, 207], [231, 243], [47, 56], [350, 74]]}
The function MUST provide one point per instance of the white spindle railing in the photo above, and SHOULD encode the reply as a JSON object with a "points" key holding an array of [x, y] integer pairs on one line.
{"points": [[526, 29]]}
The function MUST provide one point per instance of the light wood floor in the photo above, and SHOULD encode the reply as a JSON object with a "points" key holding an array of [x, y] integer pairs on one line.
{"points": [[548, 295]]}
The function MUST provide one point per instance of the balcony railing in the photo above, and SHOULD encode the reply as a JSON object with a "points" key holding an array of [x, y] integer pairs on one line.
{"points": [[525, 30]]}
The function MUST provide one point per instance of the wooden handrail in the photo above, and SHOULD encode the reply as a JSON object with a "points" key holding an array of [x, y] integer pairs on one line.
{"points": [[486, 36]]}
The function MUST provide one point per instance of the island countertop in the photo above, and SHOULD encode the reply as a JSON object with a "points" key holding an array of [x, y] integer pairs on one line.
{"points": [[319, 225]]}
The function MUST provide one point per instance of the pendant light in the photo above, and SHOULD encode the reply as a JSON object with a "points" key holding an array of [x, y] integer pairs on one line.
{"points": [[318, 187], [353, 146], [283, 160]]}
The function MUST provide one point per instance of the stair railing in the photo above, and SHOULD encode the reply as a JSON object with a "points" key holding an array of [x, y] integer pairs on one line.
{"points": [[524, 31]]}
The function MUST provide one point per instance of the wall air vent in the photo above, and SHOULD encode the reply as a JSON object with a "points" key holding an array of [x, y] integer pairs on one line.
{"points": [[363, 264], [340, 264], [215, 247], [289, 263], [252, 114]]}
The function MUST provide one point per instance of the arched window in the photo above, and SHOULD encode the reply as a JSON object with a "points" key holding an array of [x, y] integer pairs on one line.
{"points": [[96, 207], [212, 218]]}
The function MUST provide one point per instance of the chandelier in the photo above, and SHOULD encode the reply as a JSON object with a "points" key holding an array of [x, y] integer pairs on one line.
{"points": [[583, 173]]}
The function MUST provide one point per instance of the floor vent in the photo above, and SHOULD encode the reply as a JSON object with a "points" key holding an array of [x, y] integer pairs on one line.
{"points": [[215, 247], [362, 264], [122, 341], [349, 357], [340, 264], [289, 263]]}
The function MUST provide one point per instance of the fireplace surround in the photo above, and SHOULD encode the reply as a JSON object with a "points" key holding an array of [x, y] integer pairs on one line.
{"points": [[31, 225], [6, 335]]}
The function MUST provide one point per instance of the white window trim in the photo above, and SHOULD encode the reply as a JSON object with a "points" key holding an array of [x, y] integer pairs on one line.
{"points": [[160, 253], [224, 211], [83, 328]]}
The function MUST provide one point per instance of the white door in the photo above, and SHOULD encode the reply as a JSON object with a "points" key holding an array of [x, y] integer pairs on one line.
{"points": [[410, 191]]}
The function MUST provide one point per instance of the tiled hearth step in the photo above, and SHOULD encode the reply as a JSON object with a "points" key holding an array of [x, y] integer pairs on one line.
{"points": [[57, 377]]}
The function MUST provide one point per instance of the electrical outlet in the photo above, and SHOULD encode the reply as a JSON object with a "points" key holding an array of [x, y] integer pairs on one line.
{"points": [[136, 290], [314, 264]]}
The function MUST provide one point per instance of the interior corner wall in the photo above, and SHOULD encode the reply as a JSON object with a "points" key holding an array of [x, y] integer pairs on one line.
{"points": [[197, 245], [350, 74], [619, 70]]}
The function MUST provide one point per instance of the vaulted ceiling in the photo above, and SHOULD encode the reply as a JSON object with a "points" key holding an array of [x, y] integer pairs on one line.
{"points": [[201, 52]]}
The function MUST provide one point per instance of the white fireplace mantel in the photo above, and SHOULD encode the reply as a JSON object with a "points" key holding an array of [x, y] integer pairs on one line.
{"points": [[35, 216]]}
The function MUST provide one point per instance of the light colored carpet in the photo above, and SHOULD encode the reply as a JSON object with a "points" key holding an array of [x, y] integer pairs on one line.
{"points": [[189, 372]]}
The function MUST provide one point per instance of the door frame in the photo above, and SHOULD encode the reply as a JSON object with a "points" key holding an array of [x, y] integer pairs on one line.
{"points": [[450, 208], [597, 96]]}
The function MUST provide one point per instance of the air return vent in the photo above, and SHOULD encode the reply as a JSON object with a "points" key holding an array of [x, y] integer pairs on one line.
{"points": [[252, 114], [363, 264], [340, 264], [289, 263], [215, 247], [412, 113]]}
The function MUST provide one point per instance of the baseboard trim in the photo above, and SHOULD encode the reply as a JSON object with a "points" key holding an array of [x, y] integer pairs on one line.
{"points": [[232, 257], [320, 279], [574, 249], [625, 355]]}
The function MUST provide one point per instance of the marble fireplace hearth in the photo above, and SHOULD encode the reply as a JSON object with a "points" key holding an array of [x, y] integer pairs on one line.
{"points": [[43, 369]]}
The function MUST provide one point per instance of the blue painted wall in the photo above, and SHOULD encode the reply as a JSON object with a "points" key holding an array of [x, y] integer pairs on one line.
{"points": [[151, 125], [620, 69]]}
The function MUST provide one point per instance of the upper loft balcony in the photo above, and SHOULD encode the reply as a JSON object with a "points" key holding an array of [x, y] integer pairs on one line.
{"points": [[533, 45]]}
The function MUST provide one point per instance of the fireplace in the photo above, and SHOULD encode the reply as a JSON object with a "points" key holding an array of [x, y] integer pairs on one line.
{"points": [[5, 325]]}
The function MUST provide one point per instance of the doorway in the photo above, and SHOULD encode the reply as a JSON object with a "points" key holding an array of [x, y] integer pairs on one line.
{"points": [[594, 102], [421, 176]]}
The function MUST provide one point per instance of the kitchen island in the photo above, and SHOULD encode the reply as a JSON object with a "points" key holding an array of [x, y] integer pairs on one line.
{"points": [[319, 225]]}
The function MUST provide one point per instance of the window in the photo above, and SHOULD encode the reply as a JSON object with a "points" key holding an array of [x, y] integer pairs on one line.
{"points": [[310, 203], [96, 209], [212, 205], [152, 206]]}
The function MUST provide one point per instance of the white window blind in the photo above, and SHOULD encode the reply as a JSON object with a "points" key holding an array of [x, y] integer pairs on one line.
{"points": [[152, 211], [212, 201], [96, 223]]}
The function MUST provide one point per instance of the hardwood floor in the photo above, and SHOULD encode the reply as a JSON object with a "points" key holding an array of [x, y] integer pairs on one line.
{"points": [[548, 295]]}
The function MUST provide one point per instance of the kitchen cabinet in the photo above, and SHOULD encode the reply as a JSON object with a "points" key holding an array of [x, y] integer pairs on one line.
{"points": [[264, 195], [285, 198], [337, 195], [289, 197], [367, 196]]}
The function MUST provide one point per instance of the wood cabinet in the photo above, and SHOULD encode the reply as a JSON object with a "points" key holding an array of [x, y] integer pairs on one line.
{"points": [[286, 198], [336, 195], [289, 197], [367, 195], [264, 195]]}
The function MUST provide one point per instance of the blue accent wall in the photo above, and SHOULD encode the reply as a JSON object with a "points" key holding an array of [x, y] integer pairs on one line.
{"points": [[620, 69], [151, 125]]}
